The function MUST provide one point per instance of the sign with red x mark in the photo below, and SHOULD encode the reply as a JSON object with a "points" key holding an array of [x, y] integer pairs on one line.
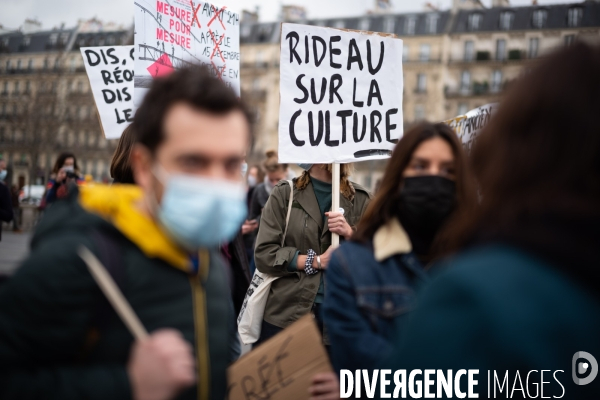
{"points": [[185, 32]]}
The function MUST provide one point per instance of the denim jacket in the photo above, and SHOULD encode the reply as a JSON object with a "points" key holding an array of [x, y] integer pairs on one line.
{"points": [[370, 288]]}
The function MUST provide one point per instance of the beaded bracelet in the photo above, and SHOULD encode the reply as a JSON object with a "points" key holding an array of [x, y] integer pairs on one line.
{"points": [[310, 256]]}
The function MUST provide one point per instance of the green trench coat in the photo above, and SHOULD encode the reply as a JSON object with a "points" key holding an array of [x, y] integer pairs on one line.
{"points": [[293, 294]]}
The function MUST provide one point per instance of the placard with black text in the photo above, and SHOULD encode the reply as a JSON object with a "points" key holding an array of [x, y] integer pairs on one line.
{"points": [[341, 95]]}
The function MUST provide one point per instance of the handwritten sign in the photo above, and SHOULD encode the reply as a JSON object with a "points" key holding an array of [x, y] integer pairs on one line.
{"points": [[171, 34], [341, 95], [110, 71], [282, 368], [468, 126]]}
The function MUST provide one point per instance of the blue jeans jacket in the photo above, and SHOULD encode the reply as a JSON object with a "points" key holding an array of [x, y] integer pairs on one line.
{"points": [[365, 303]]}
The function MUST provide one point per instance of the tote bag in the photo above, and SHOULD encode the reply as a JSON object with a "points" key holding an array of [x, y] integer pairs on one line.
{"points": [[251, 315]]}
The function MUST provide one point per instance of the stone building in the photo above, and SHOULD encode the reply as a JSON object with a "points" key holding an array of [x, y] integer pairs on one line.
{"points": [[454, 60], [489, 48], [46, 105]]}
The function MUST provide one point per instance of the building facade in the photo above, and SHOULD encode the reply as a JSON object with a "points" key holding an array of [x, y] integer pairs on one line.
{"points": [[453, 60], [490, 48], [46, 105]]}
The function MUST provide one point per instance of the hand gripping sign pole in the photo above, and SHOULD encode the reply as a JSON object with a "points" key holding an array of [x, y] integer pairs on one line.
{"points": [[335, 199], [113, 294]]}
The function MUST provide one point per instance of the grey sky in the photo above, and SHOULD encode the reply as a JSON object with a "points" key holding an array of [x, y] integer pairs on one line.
{"points": [[53, 12]]}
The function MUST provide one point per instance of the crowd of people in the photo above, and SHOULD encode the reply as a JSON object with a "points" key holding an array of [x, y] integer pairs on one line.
{"points": [[485, 260]]}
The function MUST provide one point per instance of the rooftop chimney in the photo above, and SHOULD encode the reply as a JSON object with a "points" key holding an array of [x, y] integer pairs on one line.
{"points": [[500, 3], [31, 26], [293, 13]]}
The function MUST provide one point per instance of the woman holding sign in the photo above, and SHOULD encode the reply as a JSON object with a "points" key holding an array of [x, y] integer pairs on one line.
{"points": [[371, 280], [306, 251]]}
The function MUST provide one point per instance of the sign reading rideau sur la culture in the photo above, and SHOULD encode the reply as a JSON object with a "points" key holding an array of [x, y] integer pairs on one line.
{"points": [[171, 34], [340, 93], [110, 71]]}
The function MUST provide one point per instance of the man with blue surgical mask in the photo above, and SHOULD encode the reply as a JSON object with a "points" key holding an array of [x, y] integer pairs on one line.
{"points": [[160, 242]]}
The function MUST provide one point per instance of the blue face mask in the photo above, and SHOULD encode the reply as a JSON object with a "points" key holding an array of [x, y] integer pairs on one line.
{"points": [[200, 212], [3, 175]]}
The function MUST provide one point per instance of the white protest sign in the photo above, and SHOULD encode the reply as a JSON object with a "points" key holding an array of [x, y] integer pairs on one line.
{"points": [[340, 94], [171, 34], [468, 126], [110, 71]]}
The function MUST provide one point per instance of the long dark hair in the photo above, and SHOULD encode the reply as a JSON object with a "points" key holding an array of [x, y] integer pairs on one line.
{"points": [[60, 161], [120, 166], [540, 154], [384, 206]]}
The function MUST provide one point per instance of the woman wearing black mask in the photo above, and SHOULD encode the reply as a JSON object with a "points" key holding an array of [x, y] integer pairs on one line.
{"points": [[371, 280]]}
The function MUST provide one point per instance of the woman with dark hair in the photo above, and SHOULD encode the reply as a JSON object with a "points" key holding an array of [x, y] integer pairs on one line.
{"points": [[525, 292], [371, 280], [65, 160], [120, 166], [64, 172]]}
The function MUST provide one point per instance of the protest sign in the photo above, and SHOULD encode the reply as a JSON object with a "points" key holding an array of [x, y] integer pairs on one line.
{"points": [[282, 368], [171, 34], [468, 126], [340, 95], [110, 71]]}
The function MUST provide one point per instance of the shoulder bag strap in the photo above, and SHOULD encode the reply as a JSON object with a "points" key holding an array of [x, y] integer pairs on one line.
{"points": [[289, 211]]}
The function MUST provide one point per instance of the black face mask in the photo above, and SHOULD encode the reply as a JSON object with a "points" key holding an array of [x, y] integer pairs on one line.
{"points": [[425, 204]]}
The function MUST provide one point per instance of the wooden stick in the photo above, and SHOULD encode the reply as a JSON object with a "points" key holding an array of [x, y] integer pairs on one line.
{"points": [[113, 294], [335, 199]]}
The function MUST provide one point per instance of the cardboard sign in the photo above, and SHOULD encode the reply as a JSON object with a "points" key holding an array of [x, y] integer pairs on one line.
{"points": [[468, 126], [340, 93], [171, 34], [281, 368], [110, 71]]}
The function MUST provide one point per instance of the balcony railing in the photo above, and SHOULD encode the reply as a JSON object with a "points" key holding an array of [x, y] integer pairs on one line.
{"points": [[258, 65], [420, 61], [515, 57]]}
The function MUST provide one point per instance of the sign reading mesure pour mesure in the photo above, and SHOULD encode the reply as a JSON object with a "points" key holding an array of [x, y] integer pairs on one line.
{"points": [[171, 34], [110, 71], [340, 93]]}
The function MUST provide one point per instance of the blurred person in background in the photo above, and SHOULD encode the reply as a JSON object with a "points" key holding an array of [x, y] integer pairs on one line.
{"points": [[120, 166], [65, 172], [371, 280], [159, 240], [14, 198], [6, 210], [273, 172], [524, 292], [253, 177], [3, 171]]}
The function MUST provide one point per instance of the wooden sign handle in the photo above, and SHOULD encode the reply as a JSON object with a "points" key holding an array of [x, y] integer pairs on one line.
{"points": [[335, 198]]}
